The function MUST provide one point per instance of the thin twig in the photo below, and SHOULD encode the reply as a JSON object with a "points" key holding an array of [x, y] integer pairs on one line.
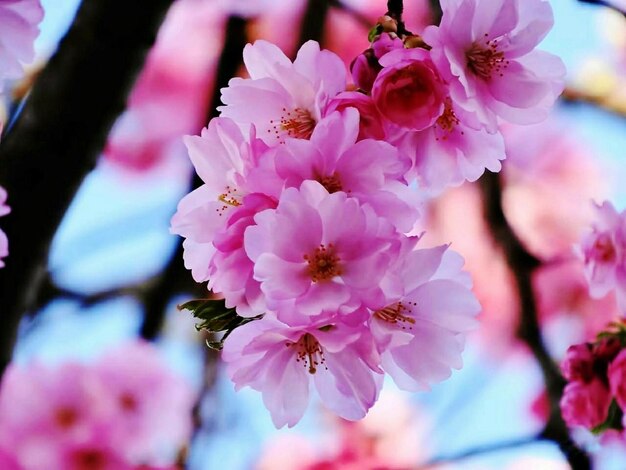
{"points": [[60, 133], [314, 21], [480, 450], [522, 265]]}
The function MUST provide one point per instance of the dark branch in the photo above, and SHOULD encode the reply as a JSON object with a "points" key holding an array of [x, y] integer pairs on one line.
{"points": [[480, 450], [60, 133], [313, 21], [522, 265], [156, 299], [353, 12]]}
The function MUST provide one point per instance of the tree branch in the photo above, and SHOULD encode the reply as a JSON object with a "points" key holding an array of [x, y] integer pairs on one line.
{"points": [[60, 133], [158, 297], [313, 21], [522, 265], [480, 450]]}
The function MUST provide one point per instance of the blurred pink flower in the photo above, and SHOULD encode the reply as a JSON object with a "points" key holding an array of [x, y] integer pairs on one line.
{"points": [[585, 404], [175, 81], [420, 332], [408, 90], [128, 408], [485, 50], [289, 98], [152, 406], [604, 253], [19, 20], [4, 242], [617, 378], [281, 361], [319, 252]]}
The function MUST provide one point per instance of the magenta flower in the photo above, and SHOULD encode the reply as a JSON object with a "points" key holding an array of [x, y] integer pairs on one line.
{"points": [[288, 98], [281, 361], [578, 363], [420, 330], [617, 378], [485, 51], [19, 20], [585, 404], [371, 171], [319, 252], [604, 253], [4, 242], [408, 90], [452, 151], [372, 125]]}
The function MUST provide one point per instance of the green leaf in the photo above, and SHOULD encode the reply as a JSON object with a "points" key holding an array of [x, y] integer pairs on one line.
{"points": [[216, 317], [375, 31]]}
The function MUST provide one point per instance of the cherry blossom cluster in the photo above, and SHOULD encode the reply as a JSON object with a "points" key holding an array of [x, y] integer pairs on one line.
{"points": [[126, 411], [595, 396], [604, 253], [309, 200], [18, 31]]}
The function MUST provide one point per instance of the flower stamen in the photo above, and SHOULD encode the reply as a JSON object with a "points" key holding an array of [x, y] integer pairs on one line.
{"points": [[309, 351], [485, 59], [396, 314], [298, 123], [323, 264]]}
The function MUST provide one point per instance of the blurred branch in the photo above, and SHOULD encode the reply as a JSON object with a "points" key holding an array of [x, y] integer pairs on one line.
{"points": [[353, 12], [313, 21], [606, 102], [435, 11], [157, 298], [522, 265], [480, 450], [604, 4], [60, 133]]}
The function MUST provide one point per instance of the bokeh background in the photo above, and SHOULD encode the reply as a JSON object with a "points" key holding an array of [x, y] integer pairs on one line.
{"points": [[114, 269]]}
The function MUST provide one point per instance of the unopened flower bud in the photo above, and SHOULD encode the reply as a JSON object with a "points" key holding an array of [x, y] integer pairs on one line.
{"points": [[388, 24]]}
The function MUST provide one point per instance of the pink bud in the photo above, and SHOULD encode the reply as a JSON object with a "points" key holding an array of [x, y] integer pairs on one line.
{"points": [[364, 69], [585, 404], [578, 363], [617, 378]]}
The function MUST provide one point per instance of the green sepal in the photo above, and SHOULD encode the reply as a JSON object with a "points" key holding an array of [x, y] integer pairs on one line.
{"points": [[373, 33], [215, 318], [613, 420]]}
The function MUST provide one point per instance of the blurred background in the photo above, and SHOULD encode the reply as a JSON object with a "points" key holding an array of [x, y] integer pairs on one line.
{"points": [[115, 273]]}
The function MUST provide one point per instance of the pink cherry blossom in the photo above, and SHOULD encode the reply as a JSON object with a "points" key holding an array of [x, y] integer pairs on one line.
{"points": [[152, 405], [485, 50], [213, 217], [4, 242], [19, 20], [319, 252], [578, 363], [604, 253], [365, 67], [452, 151], [282, 361], [372, 125], [370, 171], [408, 90], [617, 378], [93, 456], [585, 404], [289, 98], [420, 331]]}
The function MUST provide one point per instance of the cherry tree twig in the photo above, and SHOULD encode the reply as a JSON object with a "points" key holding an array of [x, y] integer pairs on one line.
{"points": [[522, 265], [60, 133]]}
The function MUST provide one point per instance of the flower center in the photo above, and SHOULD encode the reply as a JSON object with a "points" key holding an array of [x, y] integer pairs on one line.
{"points": [[230, 199], [66, 417], [298, 123], [332, 183], [485, 59], [128, 402], [90, 459], [604, 248], [309, 352], [448, 120], [396, 314], [323, 264]]}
